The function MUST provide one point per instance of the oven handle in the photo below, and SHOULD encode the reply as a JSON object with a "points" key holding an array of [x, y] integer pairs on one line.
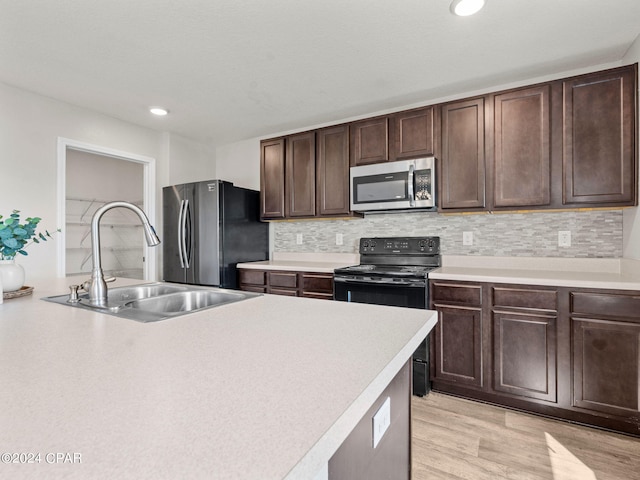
{"points": [[374, 282]]}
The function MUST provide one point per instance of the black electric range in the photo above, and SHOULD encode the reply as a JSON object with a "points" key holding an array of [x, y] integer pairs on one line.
{"points": [[393, 271]]}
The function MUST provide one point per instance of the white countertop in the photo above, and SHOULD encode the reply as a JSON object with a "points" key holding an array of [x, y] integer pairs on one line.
{"points": [[618, 273], [304, 262], [267, 388]]}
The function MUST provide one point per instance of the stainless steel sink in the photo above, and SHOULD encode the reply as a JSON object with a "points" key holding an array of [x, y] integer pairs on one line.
{"points": [[157, 301]]}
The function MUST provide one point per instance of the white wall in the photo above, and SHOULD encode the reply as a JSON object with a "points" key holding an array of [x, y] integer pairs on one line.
{"points": [[240, 163], [631, 219], [30, 125], [189, 161]]}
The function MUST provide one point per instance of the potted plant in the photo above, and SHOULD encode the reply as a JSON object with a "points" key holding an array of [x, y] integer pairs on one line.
{"points": [[14, 238]]}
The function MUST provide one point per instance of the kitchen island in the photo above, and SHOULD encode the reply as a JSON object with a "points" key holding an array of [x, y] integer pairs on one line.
{"points": [[266, 388]]}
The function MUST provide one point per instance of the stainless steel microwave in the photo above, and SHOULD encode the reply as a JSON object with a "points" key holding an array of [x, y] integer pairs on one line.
{"points": [[406, 184]]}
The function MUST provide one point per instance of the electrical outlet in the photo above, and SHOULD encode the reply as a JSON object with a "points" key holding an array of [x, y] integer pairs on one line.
{"points": [[298, 239], [467, 238], [564, 238], [339, 239], [381, 421]]}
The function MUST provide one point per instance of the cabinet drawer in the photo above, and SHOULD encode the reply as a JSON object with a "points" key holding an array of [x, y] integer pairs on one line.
{"points": [[525, 298], [283, 291], [317, 283], [283, 279], [252, 277], [608, 305], [456, 293]]}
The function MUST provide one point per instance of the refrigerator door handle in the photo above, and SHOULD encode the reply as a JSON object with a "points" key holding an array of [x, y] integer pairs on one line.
{"points": [[181, 234], [186, 235]]}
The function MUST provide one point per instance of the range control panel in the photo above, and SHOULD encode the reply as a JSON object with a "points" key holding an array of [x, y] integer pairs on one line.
{"points": [[400, 245]]}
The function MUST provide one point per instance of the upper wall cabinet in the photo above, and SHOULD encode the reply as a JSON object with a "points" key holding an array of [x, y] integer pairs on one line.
{"points": [[412, 134], [332, 171], [522, 148], [272, 204], [463, 161], [300, 174], [306, 175], [599, 147], [370, 141]]}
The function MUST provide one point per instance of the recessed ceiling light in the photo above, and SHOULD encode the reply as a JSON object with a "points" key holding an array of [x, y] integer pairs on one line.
{"points": [[464, 8], [159, 111]]}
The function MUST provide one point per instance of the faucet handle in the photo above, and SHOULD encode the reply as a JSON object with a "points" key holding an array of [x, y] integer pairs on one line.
{"points": [[109, 279]]}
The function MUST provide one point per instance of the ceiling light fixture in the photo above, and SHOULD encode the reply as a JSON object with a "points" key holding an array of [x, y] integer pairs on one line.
{"points": [[464, 8], [161, 112]]}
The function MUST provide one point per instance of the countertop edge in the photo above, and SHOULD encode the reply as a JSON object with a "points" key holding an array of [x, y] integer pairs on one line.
{"points": [[298, 266], [320, 454], [595, 280]]}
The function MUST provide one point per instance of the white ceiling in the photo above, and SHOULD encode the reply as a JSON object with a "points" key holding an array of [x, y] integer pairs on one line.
{"points": [[235, 69]]}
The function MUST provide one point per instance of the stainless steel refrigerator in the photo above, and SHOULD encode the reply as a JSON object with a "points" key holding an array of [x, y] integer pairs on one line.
{"points": [[209, 227]]}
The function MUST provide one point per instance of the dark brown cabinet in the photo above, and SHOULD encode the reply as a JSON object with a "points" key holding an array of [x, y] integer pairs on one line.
{"points": [[300, 174], [522, 148], [457, 352], [568, 353], [290, 283], [332, 171], [412, 134], [605, 330], [306, 175], [272, 198], [600, 138], [463, 157], [369, 141], [569, 143], [525, 342]]}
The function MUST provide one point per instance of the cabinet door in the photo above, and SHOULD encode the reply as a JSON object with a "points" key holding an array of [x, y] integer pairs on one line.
{"points": [[462, 175], [524, 351], [369, 141], [300, 190], [458, 346], [412, 134], [606, 366], [332, 171], [272, 178], [599, 135], [522, 148]]}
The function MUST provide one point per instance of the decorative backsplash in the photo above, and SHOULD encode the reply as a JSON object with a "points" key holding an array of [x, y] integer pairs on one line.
{"points": [[595, 234]]}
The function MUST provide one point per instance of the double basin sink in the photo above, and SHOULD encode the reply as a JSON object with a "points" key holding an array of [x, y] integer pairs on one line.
{"points": [[151, 302]]}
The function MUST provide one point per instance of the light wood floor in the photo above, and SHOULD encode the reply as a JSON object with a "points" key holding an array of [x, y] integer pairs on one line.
{"points": [[460, 439]]}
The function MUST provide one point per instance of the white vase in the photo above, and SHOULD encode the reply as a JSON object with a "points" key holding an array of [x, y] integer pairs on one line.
{"points": [[11, 275]]}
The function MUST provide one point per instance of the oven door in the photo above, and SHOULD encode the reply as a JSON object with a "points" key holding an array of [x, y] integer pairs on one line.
{"points": [[410, 293]]}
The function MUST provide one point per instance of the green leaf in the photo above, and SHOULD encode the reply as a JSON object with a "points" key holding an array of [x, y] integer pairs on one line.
{"points": [[35, 240], [21, 232], [9, 221], [42, 237], [10, 242], [22, 252]]}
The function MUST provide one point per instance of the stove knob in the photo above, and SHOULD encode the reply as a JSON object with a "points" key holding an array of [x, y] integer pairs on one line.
{"points": [[365, 244], [373, 244]]}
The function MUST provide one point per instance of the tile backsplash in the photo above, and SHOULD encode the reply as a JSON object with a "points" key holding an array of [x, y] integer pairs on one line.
{"points": [[594, 233]]}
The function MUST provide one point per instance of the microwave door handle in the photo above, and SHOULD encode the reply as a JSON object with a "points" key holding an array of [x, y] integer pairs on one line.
{"points": [[410, 186]]}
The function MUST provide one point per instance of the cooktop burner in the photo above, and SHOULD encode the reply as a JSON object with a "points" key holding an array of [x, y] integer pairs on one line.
{"points": [[396, 257], [390, 270]]}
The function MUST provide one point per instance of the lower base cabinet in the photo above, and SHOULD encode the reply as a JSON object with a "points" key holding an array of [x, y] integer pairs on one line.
{"points": [[290, 283], [567, 353]]}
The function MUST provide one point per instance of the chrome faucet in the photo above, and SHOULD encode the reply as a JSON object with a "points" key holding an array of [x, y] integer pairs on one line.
{"points": [[98, 287]]}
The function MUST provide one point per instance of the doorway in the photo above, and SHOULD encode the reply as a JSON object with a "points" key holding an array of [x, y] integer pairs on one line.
{"points": [[90, 176]]}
